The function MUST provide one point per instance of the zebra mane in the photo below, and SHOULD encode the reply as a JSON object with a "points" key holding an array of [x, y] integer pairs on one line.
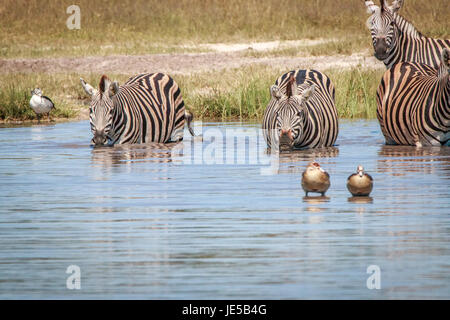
{"points": [[289, 86], [406, 27], [102, 84]]}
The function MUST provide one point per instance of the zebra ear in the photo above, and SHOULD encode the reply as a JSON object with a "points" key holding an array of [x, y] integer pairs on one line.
{"points": [[87, 87], [275, 92], [396, 5], [308, 93], [113, 88], [371, 7]]}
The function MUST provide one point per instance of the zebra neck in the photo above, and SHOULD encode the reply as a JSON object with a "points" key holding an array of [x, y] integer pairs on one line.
{"points": [[405, 33], [406, 28]]}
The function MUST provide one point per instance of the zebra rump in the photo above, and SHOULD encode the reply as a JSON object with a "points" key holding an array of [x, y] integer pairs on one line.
{"points": [[301, 112], [147, 108], [413, 103]]}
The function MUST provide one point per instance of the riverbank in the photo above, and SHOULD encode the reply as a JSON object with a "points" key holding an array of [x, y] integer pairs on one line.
{"points": [[230, 83]]}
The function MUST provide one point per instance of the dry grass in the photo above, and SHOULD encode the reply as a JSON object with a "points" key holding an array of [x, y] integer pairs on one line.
{"points": [[32, 28]]}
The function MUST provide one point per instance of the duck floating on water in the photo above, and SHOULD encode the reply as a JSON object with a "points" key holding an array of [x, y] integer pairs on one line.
{"points": [[360, 183], [315, 179], [40, 104]]}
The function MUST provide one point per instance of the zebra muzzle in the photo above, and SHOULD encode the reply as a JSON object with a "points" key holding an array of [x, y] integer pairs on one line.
{"points": [[381, 49], [99, 138], [286, 140]]}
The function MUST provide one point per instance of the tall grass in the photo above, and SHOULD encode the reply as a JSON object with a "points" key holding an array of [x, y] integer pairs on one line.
{"points": [[244, 93], [37, 28], [231, 94]]}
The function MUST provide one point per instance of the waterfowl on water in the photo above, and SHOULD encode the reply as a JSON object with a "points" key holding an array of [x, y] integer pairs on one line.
{"points": [[40, 104], [360, 183], [315, 179]]}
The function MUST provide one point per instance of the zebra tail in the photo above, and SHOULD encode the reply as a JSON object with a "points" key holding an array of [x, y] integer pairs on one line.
{"points": [[188, 116]]}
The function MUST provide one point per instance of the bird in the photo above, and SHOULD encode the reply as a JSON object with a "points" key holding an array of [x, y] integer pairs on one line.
{"points": [[360, 183], [315, 179], [40, 104]]}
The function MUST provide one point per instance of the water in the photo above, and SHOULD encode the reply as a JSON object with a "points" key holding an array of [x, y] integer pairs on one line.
{"points": [[141, 222]]}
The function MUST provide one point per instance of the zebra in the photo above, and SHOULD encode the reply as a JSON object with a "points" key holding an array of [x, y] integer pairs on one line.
{"points": [[397, 40], [301, 112], [413, 103], [147, 108]]}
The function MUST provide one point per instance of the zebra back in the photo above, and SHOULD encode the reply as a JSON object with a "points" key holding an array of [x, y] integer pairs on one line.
{"points": [[148, 108], [321, 125]]}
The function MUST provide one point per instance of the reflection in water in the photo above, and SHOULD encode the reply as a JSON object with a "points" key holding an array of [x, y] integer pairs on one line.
{"points": [[360, 200], [126, 153], [314, 201], [308, 154], [149, 221], [398, 160], [290, 161]]}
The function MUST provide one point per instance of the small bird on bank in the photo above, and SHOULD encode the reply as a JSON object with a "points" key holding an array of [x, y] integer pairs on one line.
{"points": [[315, 179], [360, 183], [40, 104]]}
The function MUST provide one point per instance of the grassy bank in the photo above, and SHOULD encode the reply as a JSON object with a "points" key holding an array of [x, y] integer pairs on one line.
{"points": [[32, 28], [235, 94], [15, 94]]}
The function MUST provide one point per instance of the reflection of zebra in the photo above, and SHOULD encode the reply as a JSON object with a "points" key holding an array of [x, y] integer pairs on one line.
{"points": [[301, 112], [401, 160], [414, 103], [147, 108], [396, 40]]}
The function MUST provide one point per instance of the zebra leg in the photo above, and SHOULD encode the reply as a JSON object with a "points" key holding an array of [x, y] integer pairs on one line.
{"points": [[389, 141]]}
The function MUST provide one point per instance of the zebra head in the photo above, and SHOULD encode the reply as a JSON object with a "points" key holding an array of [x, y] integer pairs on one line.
{"points": [[291, 112], [101, 109], [381, 24]]}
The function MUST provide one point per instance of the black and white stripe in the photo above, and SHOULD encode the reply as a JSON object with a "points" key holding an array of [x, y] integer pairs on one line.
{"points": [[147, 108], [413, 103], [301, 112], [397, 40]]}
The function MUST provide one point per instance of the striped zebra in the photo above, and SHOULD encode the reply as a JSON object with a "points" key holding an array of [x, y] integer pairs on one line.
{"points": [[413, 103], [397, 40], [147, 108], [301, 112]]}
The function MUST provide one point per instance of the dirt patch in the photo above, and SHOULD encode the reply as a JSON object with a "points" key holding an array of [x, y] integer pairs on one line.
{"points": [[259, 46], [180, 63]]}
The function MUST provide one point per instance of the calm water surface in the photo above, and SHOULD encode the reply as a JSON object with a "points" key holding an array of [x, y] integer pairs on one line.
{"points": [[143, 222]]}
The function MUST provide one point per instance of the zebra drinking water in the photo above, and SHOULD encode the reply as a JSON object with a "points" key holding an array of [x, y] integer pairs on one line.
{"points": [[397, 40], [301, 112], [147, 108], [413, 103]]}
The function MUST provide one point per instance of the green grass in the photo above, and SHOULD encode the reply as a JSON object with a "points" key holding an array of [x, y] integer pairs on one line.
{"points": [[244, 93], [232, 94], [15, 94], [31, 28]]}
